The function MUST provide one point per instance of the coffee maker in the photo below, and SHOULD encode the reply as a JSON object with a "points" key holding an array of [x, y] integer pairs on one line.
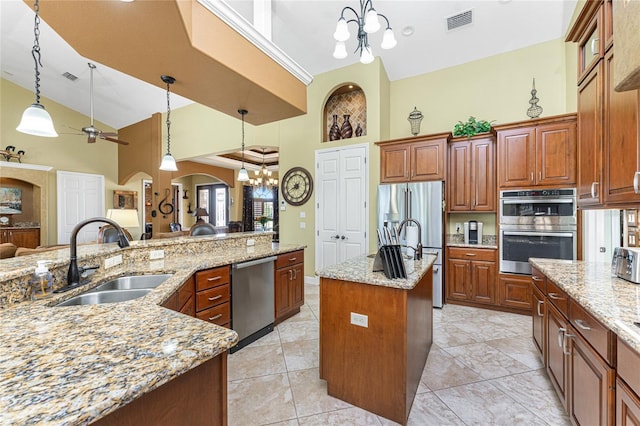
{"points": [[473, 232]]}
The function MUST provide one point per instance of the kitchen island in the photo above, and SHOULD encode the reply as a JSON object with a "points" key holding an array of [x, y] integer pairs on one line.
{"points": [[375, 334], [111, 362]]}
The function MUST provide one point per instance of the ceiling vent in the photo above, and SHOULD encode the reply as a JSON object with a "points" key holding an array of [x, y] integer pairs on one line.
{"points": [[69, 76], [459, 20]]}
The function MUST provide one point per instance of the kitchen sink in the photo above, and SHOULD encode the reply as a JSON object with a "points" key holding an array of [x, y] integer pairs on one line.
{"points": [[132, 282], [108, 296]]}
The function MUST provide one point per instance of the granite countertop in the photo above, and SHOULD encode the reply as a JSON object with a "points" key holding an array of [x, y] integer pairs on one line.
{"points": [[613, 301], [360, 270], [70, 365]]}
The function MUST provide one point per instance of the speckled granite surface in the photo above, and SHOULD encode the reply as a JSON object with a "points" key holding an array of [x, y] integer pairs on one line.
{"points": [[73, 365], [457, 240], [613, 301], [360, 270]]}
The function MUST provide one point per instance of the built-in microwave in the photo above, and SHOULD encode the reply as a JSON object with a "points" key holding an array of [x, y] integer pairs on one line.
{"points": [[549, 207]]}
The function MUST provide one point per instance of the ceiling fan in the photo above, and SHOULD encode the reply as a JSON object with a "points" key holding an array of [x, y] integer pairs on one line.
{"points": [[91, 131]]}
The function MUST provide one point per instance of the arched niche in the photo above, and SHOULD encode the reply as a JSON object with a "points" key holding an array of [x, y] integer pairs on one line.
{"points": [[348, 99]]}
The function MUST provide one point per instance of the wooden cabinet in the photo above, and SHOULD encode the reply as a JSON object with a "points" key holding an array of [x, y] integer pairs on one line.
{"points": [[413, 159], [213, 296], [627, 386], [591, 41], [538, 313], [289, 285], [471, 176], [183, 300], [471, 275], [537, 153], [21, 237], [514, 291], [557, 361]]}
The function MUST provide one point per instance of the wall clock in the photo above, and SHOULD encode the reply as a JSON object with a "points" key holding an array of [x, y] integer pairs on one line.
{"points": [[297, 186]]}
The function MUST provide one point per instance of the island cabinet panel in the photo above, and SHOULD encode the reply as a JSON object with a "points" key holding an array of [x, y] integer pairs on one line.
{"points": [[627, 405], [557, 360], [378, 366], [213, 296], [538, 314], [197, 397], [415, 159], [627, 386], [289, 285], [183, 300]]}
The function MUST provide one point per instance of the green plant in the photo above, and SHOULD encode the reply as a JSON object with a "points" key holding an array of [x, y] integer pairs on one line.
{"points": [[263, 220], [471, 127]]}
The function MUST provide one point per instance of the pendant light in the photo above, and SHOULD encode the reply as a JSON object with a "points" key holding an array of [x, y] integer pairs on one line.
{"points": [[168, 162], [243, 176], [35, 119]]}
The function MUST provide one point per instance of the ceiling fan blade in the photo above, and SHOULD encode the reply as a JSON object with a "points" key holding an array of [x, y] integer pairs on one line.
{"points": [[109, 134], [113, 140]]}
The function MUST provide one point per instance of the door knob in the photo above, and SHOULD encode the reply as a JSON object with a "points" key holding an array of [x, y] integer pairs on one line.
{"points": [[335, 237], [343, 238]]}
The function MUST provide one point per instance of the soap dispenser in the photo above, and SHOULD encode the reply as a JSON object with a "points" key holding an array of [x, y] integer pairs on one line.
{"points": [[41, 281]]}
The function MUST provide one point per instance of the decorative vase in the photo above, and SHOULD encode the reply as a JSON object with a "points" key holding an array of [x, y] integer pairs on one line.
{"points": [[358, 130], [334, 131], [346, 131]]}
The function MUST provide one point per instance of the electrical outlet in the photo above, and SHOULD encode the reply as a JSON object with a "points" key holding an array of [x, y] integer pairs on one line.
{"points": [[303, 225], [303, 214], [156, 254], [359, 320], [251, 242], [112, 261], [458, 227]]}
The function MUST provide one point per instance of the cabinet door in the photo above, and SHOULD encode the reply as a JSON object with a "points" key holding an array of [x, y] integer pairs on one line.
{"points": [[282, 299], [556, 154], [627, 405], [516, 150], [590, 138], [483, 182], [620, 140], [296, 289], [427, 160], [591, 383], [459, 177], [394, 163], [28, 238], [514, 292], [538, 314], [458, 279], [557, 361], [483, 282]]}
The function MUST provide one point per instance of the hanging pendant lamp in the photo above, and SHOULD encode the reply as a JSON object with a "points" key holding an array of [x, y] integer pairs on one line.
{"points": [[168, 162], [35, 119], [243, 176]]}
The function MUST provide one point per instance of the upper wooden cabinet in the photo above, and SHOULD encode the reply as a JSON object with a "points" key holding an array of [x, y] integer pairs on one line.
{"points": [[537, 153], [471, 178], [413, 159]]}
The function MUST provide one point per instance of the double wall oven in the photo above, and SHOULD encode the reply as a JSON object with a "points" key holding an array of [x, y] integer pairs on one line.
{"points": [[536, 223]]}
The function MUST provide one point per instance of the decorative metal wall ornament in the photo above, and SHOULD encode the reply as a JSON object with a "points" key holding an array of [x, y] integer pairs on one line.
{"points": [[534, 110], [415, 118]]}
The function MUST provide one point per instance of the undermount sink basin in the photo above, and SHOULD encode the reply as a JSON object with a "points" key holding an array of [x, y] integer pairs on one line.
{"points": [[131, 282], [109, 296]]}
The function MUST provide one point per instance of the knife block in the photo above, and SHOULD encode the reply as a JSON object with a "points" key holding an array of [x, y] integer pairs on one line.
{"points": [[389, 260]]}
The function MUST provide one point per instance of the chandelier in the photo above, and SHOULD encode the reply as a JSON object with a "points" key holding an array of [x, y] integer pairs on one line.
{"points": [[263, 177], [368, 23]]}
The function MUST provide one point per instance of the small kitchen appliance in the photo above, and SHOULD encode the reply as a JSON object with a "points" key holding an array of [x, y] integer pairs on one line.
{"points": [[473, 232], [626, 264]]}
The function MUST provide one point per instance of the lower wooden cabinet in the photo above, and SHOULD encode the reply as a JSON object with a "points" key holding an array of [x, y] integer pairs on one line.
{"points": [[213, 296], [514, 291], [627, 405], [539, 327], [21, 237], [289, 285], [627, 386], [557, 361], [183, 300]]}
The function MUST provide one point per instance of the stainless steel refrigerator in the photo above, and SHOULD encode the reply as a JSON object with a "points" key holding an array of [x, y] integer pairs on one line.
{"points": [[421, 201]]}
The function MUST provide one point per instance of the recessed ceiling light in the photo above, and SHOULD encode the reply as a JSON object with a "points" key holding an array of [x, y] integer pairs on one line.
{"points": [[351, 86], [408, 31]]}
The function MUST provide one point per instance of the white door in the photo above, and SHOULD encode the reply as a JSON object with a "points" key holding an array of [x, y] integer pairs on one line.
{"points": [[80, 197], [341, 204]]}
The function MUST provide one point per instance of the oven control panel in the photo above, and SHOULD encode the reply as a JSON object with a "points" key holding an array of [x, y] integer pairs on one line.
{"points": [[626, 264]]}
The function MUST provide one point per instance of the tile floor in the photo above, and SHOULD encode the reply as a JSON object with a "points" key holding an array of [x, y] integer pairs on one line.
{"points": [[482, 370]]}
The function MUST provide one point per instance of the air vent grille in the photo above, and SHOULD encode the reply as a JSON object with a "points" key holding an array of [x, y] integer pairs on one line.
{"points": [[460, 20], [69, 76]]}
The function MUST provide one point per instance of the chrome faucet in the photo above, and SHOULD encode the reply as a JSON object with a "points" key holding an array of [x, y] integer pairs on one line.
{"points": [[73, 276], [417, 251]]}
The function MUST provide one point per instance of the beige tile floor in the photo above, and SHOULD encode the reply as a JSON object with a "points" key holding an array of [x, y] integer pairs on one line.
{"points": [[482, 370]]}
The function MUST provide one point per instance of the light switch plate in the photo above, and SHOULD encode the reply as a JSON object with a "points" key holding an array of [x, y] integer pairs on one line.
{"points": [[303, 225], [303, 214], [156, 254], [112, 261], [359, 320], [251, 242]]}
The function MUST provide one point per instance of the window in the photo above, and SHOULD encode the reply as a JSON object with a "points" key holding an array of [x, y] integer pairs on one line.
{"points": [[215, 200], [263, 209]]}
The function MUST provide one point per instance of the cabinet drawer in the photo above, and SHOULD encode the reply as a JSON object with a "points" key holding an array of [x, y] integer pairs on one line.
{"points": [[628, 362], [598, 336], [558, 298], [292, 258], [211, 297], [539, 280], [472, 254], [185, 292], [212, 278], [219, 315]]}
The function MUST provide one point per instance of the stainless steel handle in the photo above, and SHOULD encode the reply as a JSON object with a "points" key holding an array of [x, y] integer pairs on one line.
{"points": [[594, 46], [539, 176], [540, 303], [534, 278], [215, 317], [254, 262], [635, 183], [531, 177], [564, 343], [546, 201], [593, 189], [555, 296], [214, 278], [580, 324], [295, 274], [290, 274], [561, 332], [539, 234], [215, 297], [470, 254], [293, 259]]}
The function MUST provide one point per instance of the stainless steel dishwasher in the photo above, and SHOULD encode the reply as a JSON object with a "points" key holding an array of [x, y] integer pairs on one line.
{"points": [[252, 300]]}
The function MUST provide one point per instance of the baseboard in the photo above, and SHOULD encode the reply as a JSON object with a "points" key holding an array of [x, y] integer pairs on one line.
{"points": [[312, 280]]}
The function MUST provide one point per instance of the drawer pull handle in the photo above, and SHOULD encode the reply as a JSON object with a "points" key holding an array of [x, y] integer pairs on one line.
{"points": [[594, 46], [470, 254], [540, 303], [536, 278], [580, 324], [292, 259], [214, 278], [215, 297], [555, 296], [561, 332], [564, 343], [593, 189], [215, 317]]}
